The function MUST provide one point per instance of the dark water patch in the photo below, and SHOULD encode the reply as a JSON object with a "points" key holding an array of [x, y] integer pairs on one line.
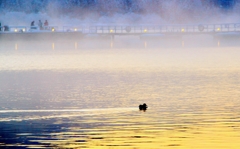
{"points": [[174, 145]]}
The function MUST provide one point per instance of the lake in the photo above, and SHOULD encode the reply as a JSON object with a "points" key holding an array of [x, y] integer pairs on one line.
{"points": [[59, 95]]}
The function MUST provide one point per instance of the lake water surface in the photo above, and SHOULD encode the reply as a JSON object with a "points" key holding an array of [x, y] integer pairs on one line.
{"points": [[88, 98]]}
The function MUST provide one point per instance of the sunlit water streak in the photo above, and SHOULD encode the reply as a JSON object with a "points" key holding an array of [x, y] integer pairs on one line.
{"points": [[65, 110], [66, 113]]}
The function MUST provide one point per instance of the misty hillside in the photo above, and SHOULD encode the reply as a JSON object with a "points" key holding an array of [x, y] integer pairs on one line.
{"points": [[120, 11], [111, 6]]}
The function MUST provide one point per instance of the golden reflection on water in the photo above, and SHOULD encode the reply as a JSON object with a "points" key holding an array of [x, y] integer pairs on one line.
{"points": [[53, 46], [16, 46], [76, 45], [152, 130]]}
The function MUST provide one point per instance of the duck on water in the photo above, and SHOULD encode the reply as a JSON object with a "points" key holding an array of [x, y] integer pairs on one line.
{"points": [[143, 107]]}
